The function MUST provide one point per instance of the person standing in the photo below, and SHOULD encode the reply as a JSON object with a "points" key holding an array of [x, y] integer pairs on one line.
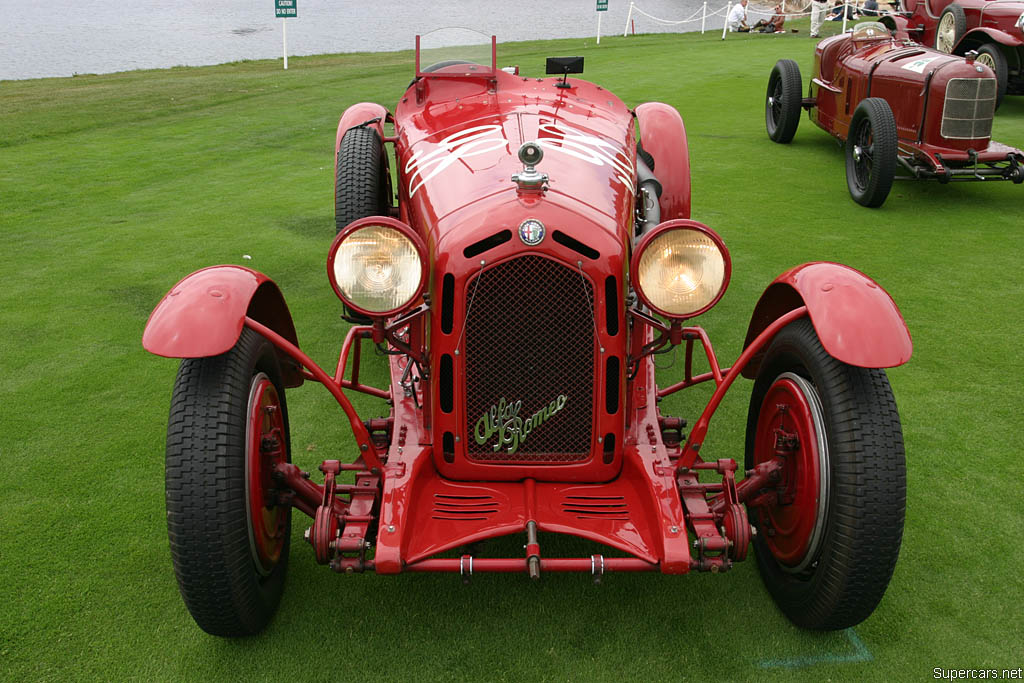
{"points": [[818, 10], [737, 20]]}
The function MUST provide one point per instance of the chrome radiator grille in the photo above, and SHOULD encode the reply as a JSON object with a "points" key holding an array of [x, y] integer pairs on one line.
{"points": [[529, 341], [969, 108]]}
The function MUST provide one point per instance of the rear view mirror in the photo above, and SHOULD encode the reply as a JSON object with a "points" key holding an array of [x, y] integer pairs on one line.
{"points": [[565, 65]]}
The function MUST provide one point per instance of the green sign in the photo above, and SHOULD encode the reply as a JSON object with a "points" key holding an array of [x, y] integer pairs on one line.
{"points": [[602, 5], [286, 9]]}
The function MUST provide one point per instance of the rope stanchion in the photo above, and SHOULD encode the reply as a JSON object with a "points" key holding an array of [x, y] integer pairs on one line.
{"points": [[728, 9], [846, 13], [704, 16], [629, 16]]}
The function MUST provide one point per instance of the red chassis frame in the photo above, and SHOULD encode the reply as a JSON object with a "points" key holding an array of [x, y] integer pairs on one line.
{"points": [[656, 476], [399, 495]]}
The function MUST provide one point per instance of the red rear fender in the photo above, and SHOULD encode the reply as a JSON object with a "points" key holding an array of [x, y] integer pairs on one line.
{"points": [[203, 315], [857, 321], [663, 135]]}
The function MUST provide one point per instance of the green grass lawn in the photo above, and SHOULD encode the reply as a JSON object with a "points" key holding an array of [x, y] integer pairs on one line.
{"points": [[114, 187]]}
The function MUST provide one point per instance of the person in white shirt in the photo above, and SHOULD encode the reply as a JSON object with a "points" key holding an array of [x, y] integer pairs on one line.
{"points": [[737, 20], [818, 11]]}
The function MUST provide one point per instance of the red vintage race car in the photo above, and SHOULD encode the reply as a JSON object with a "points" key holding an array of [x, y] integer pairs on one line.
{"points": [[903, 111], [537, 255], [993, 28]]}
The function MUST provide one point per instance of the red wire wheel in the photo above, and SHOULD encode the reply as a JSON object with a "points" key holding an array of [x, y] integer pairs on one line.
{"points": [[791, 423], [268, 522]]}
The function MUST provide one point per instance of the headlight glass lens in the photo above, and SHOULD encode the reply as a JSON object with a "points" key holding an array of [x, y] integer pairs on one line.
{"points": [[377, 269], [681, 271], [1020, 22]]}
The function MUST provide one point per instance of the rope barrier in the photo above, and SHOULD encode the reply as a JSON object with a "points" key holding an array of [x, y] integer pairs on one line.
{"points": [[724, 12]]}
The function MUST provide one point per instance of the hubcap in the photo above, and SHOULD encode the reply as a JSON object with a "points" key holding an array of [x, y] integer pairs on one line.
{"points": [[945, 34], [265, 448], [791, 424], [862, 152]]}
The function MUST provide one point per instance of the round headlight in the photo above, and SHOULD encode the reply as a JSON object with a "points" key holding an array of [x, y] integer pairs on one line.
{"points": [[681, 268], [376, 266]]}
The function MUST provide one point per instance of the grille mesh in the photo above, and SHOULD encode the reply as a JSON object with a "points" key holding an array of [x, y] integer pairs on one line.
{"points": [[969, 108], [530, 338]]}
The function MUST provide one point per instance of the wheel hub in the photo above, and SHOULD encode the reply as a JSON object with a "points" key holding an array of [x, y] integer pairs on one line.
{"points": [[791, 425], [945, 33], [265, 448]]}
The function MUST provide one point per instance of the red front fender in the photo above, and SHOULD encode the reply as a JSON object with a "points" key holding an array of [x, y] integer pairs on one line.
{"points": [[663, 135], [856, 320], [203, 315], [358, 114]]}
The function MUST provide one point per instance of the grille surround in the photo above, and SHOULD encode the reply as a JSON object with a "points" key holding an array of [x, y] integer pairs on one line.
{"points": [[968, 108], [530, 336]]}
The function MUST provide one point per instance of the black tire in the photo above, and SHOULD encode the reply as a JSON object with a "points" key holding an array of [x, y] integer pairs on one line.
{"points": [[227, 587], [844, 571], [782, 101], [871, 150], [362, 185], [991, 55], [950, 29]]}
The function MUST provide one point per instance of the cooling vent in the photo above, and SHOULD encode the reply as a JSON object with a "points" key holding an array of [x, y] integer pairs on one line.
{"points": [[463, 508], [596, 507]]}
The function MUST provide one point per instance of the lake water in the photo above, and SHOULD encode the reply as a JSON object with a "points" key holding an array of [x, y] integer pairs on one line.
{"points": [[40, 38]]}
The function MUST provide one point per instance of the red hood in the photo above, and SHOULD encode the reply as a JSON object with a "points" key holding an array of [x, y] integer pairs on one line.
{"points": [[458, 142]]}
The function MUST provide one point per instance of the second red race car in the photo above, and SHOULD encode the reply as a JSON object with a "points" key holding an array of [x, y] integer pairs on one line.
{"points": [[902, 110]]}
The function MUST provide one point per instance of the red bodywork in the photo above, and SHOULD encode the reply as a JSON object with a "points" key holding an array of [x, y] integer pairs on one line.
{"points": [[913, 80], [431, 477]]}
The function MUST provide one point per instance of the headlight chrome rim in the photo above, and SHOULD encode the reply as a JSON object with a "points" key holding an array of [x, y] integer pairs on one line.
{"points": [[382, 222], [661, 229]]}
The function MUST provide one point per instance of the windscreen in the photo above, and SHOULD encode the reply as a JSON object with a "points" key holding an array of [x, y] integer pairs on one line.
{"points": [[444, 50]]}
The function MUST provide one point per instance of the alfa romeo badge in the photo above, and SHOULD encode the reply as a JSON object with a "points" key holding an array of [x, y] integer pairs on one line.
{"points": [[531, 232]]}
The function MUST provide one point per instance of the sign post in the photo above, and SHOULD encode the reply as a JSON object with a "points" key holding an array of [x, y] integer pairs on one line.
{"points": [[285, 9], [602, 6]]}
